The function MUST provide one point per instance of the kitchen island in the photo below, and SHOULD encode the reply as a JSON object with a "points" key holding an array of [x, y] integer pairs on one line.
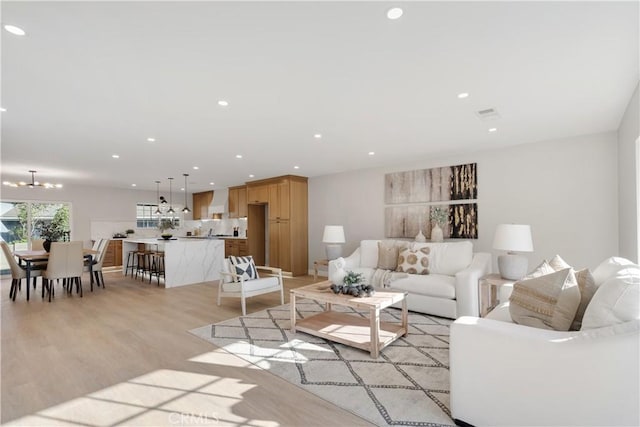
{"points": [[187, 261]]}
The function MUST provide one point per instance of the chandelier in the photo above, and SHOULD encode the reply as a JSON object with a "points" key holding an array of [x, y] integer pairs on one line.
{"points": [[33, 183]]}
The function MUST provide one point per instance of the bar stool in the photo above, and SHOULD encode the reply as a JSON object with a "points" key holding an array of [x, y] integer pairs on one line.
{"points": [[157, 266], [143, 263], [132, 263]]}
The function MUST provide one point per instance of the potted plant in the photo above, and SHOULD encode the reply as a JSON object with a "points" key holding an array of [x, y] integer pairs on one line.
{"points": [[129, 232], [164, 225], [352, 284], [51, 233]]}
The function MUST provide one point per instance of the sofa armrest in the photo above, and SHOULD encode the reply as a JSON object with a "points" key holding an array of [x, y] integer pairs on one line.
{"points": [[467, 284], [339, 266], [508, 374]]}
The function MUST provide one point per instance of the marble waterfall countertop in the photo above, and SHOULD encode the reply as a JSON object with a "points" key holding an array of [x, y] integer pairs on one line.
{"points": [[186, 261]]}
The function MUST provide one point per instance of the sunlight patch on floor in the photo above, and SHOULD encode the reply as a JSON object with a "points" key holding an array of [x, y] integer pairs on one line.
{"points": [[161, 398]]}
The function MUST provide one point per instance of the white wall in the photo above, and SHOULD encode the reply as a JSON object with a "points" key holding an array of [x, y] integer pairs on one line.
{"points": [[90, 204], [628, 133], [566, 189]]}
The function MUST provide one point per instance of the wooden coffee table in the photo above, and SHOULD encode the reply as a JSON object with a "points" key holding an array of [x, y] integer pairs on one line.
{"points": [[367, 334]]}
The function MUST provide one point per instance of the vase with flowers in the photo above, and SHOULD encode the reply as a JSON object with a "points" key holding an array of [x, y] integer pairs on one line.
{"points": [[439, 217]]}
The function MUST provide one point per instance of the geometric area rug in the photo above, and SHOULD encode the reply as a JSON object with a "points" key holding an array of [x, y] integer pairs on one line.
{"points": [[407, 385]]}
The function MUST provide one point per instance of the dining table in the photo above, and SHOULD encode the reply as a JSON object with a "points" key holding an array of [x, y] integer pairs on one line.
{"points": [[29, 258]]}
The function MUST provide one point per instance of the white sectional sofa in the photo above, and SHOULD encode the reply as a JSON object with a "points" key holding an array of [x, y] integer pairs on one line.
{"points": [[505, 374], [449, 290]]}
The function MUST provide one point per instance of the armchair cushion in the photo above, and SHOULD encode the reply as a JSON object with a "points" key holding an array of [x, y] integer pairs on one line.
{"points": [[251, 285], [617, 300]]}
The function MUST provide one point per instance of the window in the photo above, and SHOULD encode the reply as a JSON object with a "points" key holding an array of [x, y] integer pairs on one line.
{"points": [[146, 216], [22, 221]]}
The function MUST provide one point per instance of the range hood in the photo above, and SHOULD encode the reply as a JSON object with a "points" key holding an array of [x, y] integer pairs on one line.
{"points": [[219, 204]]}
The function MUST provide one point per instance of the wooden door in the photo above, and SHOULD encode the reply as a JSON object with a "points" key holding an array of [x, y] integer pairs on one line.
{"points": [[242, 202], [280, 244], [279, 201]]}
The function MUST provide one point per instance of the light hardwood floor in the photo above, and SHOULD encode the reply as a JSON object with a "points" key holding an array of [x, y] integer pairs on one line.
{"points": [[123, 356]]}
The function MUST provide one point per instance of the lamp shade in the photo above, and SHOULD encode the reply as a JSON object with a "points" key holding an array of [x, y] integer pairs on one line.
{"points": [[333, 234], [513, 238]]}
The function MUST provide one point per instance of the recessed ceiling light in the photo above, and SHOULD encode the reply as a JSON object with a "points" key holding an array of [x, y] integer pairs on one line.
{"points": [[3, 109], [182, 189], [317, 136], [463, 95], [394, 13], [251, 175], [151, 139], [212, 183], [238, 156], [115, 156], [493, 129], [133, 185], [58, 185], [296, 167], [372, 153], [15, 30], [223, 103], [196, 168]]}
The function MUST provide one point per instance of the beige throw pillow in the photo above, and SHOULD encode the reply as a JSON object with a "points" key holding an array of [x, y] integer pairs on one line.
{"points": [[587, 286], [414, 262], [557, 263], [547, 302], [387, 255], [540, 270]]}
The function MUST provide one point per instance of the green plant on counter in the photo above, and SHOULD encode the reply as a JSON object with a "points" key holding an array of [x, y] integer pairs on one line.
{"points": [[165, 224]]}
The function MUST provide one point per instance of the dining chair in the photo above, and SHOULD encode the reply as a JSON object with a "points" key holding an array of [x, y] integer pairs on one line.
{"points": [[66, 262], [17, 272], [97, 262]]}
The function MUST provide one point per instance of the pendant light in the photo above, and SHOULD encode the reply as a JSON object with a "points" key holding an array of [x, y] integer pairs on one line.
{"points": [[186, 207], [158, 211], [33, 183], [170, 211]]}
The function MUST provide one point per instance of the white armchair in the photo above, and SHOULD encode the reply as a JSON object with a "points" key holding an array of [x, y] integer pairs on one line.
{"points": [[505, 374], [232, 285]]}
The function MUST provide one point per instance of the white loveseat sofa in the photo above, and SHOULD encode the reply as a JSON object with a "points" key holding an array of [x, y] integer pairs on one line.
{"points": [[505, 374], [451, 288]]}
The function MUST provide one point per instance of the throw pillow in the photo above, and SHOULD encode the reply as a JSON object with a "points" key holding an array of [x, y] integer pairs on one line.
{"points": [[244, 266], [414, 262], [547, 302], [587, 286], [540, 270], [387, 255], [557, 263]]}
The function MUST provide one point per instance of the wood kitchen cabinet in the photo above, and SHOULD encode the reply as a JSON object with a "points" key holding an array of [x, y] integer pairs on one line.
{"points": [[238, 202], [235, 247], [257, 194], [285, 200], [201, 202], [113, 256], [279, 200], [280, 244]]}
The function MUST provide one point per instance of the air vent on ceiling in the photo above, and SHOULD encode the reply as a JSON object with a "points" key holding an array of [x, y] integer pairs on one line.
{"points": [[488, 114]]}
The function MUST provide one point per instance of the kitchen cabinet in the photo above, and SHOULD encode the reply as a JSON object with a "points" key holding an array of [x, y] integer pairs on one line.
{"points": [[257, 194], [280, 244], [238, 202], [279, 200], [235, 247], [113, 256], [286, 210], [201, 202]]}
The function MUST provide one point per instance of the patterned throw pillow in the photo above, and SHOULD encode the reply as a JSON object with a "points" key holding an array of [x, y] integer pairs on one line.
{"points": [[244, 266], [548, 302], [414, 262]]}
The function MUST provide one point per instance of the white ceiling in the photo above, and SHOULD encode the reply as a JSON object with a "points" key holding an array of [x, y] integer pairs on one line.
{"points": [[92, 79]]}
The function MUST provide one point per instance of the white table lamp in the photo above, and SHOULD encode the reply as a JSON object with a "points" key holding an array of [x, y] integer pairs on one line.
{"points": [[334, 238], [513, 238]]}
